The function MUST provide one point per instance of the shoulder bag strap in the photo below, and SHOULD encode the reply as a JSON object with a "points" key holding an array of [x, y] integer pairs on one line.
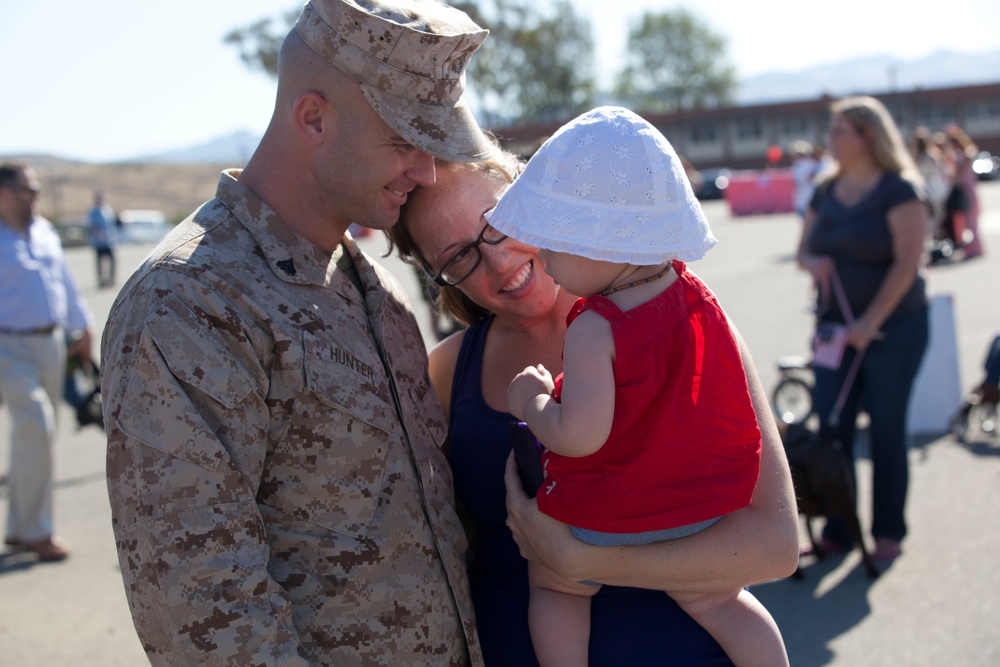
{"points": [[852, 372]]}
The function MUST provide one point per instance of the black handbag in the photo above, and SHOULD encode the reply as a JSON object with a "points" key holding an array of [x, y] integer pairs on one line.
{"points": [[83, 392]]}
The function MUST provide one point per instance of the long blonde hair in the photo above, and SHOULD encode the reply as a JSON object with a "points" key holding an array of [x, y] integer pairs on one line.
{"points": [[872, 120]]}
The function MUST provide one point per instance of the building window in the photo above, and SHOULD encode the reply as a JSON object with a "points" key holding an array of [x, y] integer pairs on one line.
{"points": [[794, 126], [983, 109], [749, 128], [946, 114], [703, 133], [924, 116]]}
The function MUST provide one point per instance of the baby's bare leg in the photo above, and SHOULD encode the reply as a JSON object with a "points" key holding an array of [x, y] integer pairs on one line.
{"points": [[559, 618], [739, 622]]}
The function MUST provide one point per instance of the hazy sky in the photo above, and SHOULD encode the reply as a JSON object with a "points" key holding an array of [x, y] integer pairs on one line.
{"points": [[108, 79]]}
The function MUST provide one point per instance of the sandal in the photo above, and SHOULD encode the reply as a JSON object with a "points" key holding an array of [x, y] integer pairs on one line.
{"points": [[49, 550], [825, 547], [886, 550]]}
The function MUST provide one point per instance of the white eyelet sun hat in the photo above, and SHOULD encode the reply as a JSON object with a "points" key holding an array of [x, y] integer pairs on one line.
{"points": [[607, 186]]}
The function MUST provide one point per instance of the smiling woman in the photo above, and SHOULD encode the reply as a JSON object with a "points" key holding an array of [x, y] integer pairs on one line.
{"points": [[517, 316]]}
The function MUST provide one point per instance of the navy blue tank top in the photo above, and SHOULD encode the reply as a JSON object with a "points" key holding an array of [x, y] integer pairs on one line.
{"points": [[629, 626]]}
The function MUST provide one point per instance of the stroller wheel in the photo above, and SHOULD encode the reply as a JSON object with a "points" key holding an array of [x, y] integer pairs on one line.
{"points": [[942, 251], [988, 417], [792, 400]]}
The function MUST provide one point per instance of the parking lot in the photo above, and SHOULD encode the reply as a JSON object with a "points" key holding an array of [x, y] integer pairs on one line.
{"points": [[936, 606]]}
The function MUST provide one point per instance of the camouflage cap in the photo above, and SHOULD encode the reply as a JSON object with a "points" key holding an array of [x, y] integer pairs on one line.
{"points": [[410, 57]]}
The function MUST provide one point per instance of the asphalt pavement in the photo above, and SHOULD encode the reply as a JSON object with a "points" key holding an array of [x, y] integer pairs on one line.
{"points": [[937, 605]]}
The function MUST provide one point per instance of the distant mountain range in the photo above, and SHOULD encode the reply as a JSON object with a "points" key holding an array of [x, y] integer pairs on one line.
{"points": [[232, 149], [873, 75]]}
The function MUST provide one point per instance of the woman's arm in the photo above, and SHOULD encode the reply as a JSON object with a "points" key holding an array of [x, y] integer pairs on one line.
{"points": [[821, 267], [802, 255], [756, 543], [908, 225]]}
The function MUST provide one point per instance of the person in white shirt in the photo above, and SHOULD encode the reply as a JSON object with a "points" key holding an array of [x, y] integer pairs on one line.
{"points": [[41, 307], [805, 166]]}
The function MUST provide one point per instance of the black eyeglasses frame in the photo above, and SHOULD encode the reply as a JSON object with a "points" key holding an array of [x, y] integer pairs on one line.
{"points": [[439, 278]]}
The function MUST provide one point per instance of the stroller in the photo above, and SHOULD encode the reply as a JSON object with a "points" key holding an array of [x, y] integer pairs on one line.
{"points": [[979, 410]]}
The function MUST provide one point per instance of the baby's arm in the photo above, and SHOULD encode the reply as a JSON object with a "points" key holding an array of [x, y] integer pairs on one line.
{"points": [[752, 544], [530, 384], [581, 422]]}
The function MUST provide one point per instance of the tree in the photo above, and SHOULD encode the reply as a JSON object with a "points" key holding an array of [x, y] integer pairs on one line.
{"points": [[258, 45], [674, 63], [533, 68]]}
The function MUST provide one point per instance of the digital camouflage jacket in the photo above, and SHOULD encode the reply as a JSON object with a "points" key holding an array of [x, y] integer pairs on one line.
{"points": [[278, 491]]}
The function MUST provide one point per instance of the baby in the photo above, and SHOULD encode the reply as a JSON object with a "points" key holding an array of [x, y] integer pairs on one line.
{"points": [[649, 433]]}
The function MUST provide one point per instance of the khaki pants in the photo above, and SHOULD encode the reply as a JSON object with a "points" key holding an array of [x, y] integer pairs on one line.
{"points": [[32, 369]]}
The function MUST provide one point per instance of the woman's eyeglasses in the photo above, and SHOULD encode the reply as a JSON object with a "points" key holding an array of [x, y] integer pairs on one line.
{"points": [[464, 262]]}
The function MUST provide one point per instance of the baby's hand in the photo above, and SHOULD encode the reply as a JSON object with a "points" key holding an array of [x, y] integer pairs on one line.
{"points": [[526, 385]]}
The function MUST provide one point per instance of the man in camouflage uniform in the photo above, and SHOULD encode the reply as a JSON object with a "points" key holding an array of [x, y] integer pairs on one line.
{"points": [[278, 491]]}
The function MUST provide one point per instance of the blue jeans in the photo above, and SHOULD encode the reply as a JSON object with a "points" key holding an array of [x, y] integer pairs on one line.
{"points": [[882, 388]]}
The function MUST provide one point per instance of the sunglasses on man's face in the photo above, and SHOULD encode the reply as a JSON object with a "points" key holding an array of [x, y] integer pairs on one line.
{"points": [[20, 187]]}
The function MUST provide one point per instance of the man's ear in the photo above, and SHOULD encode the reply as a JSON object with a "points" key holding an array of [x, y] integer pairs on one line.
{"points": [[311, 112]]}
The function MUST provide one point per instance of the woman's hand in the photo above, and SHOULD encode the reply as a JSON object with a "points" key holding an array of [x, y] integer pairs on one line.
{"points": [[540, 538], [821, 268], [862, 333], [533, 381]]}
